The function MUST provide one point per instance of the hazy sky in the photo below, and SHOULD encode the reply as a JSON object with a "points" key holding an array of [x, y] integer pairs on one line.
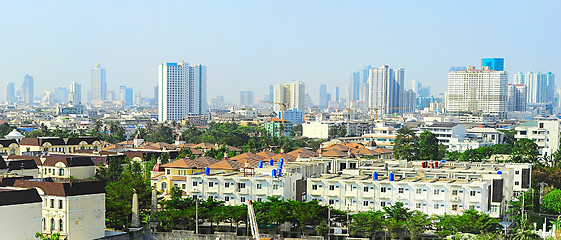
{"points": [[247, 45]]}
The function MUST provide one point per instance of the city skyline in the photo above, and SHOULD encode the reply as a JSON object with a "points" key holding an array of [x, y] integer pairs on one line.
{"points": [[63, 51]]}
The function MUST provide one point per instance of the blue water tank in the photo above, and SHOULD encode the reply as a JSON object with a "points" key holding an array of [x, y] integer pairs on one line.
{"points": [[375, 176], [442, 161], [274, 173], [392, 176], [271, 162], [500, 172], [207, 171], [260, 165]]}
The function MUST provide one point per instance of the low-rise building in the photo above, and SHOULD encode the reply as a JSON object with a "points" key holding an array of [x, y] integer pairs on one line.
{"points": [[544, 132], [20, 209]]}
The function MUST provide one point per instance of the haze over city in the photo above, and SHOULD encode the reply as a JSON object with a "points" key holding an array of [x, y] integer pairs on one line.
{"points": [[252, 44]]}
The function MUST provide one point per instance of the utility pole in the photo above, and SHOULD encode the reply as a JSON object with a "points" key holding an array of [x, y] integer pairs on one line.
{"points": [[197, 216], [328, 222]]}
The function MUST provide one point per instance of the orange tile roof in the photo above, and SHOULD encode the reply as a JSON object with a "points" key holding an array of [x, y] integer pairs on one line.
{"points": [[226, 164]]}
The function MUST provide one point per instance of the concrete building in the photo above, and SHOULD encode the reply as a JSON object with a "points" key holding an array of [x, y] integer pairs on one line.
{"points": [[27, 90], [245, 99], [496, 64], [386, 89], [20, 209], [444, 131], [74, 208], [126, 96], [98, 84], [182, 91], [540, 86], [75, 93], [294, 116], [291, 94], [477, 91], [544, 132], [316, 129], [517, 97], [10, 93], [409, 101], [278, 127], [67, 167], [323, 96]]}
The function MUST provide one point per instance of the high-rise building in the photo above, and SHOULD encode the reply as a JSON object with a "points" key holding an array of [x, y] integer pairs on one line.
{"points": [[337, 94], [323, 101], [10, 93], [61, 95], [245, 99], [218, 102], [540, 87], [75, 93], [126, 95], [182, 91], [478, 91], [409, 101], [27, 91], [516, 97], [385, 86], [291, 94], [99, 84], [497, 64]]}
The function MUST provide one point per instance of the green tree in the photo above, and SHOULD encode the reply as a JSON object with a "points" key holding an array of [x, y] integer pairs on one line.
{"points": [[367, 223], [552, 202], [5, 129], [406, 145], [41, 236], [470, 221], [417, 223], [429, 148], [397, 215], [322, 229], [526, 149]]}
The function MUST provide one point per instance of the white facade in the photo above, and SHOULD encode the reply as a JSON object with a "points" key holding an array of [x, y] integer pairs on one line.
{"points": [[316, 129], [481, 91], [544, 132], [292, 94], [20, 220], [517, 97], [540, 86], [445, 131], [386, 89], [99, 83], [182, 91]]}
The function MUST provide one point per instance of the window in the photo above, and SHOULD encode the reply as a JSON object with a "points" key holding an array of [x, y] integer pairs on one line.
{"points": [[400, 190], [417, 205], [331, 187], [331, 201], [60, 226], [183, 186], [436, 191], [168, 172], [454, 207], [275, 186], [61, 172], [259, 186], [227, 198], [516, 172], [210, 184], [242, 199], [471, 207], [365, 189], [418, 191], [383, 189], [472, 193], [259, 199], [241, 185], [494, 208], [455, 192], [365, 203], [383, 204], [164, 186], [52, 224], [44, 223], [227, 185], [52, 203], [435, 206], [315, 187], [59, 204], [517, 183]]}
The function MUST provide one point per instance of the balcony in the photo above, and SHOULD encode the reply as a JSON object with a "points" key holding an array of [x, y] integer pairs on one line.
{"points": [[454, 199], [243, 191], [197, 189], [385, 195], [353, 193], [333, 193], [212, 189], [402, 196], [315, 192], [228, 190]]}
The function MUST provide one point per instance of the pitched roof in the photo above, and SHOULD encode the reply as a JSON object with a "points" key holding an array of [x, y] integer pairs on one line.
{"points": [[63, 186], [18, 196], [2, 163], [365, 152], [287, 157], [55, 141], [22, 164], [303, 153], [247, 155], [78, 140], [266, 154], [204, 145], [226, 164], [334, 153], [383, 150], [184, 163], [7, 142], [68, 161], [37, 160], [338, 146]]}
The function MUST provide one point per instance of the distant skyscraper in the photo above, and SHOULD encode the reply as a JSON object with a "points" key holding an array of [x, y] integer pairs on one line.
{"points": [[271, 93], [497, 64], [126, 95], [75, 93], [337, 94], [27, 91], [10, 93], [516, 97], [218, 102], [99, 84], [409, 101], [61, 95], [245, 99], [182, 91], [386, 91], [323, 101], [478, 91], [540, 87], [292, 94]]}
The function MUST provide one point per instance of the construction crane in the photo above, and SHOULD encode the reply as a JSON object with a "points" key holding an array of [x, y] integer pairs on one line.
{"points": [[282, 115], [382, 108], [252, 221]]}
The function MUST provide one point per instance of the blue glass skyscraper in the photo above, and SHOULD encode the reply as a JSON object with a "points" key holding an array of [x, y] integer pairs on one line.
{"points": [[497, 64]]}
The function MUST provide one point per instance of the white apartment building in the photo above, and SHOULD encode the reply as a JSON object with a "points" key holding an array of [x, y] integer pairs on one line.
{"points": [[382, 136], [544, 132], [517, 95], [182, 91], [540, 86], [74, 208], [444, 131], [386, 89], [317, 129], [478, 91], [291, 94], [98, 83]]}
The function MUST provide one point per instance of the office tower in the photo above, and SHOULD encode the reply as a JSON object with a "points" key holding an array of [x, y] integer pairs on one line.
{"points": [[308, 100], [271, 93], [336, 94], [10, 93], [61, 95], [126, 96], [245, 99], [496, 64], [75, 93], [540, 87], [291, 94], [385, 89], [156, 92], [354, 87], [323, 101], [99, 84], [478, 91], [516, 97], [409, 101], [182, 91], [27, 92], [218, 102]]}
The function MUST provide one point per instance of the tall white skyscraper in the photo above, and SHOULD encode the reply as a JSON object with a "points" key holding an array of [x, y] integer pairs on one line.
{"points": [[386, 87], [478, 91], [182, 91], [516, 97], [99, 84], [10, 93], [27, 91], [292, 94], [245, 99], [75, 93], [540, 86]]}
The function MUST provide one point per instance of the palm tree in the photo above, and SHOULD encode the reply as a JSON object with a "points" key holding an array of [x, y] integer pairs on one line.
{"points": [[524, 232]]}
